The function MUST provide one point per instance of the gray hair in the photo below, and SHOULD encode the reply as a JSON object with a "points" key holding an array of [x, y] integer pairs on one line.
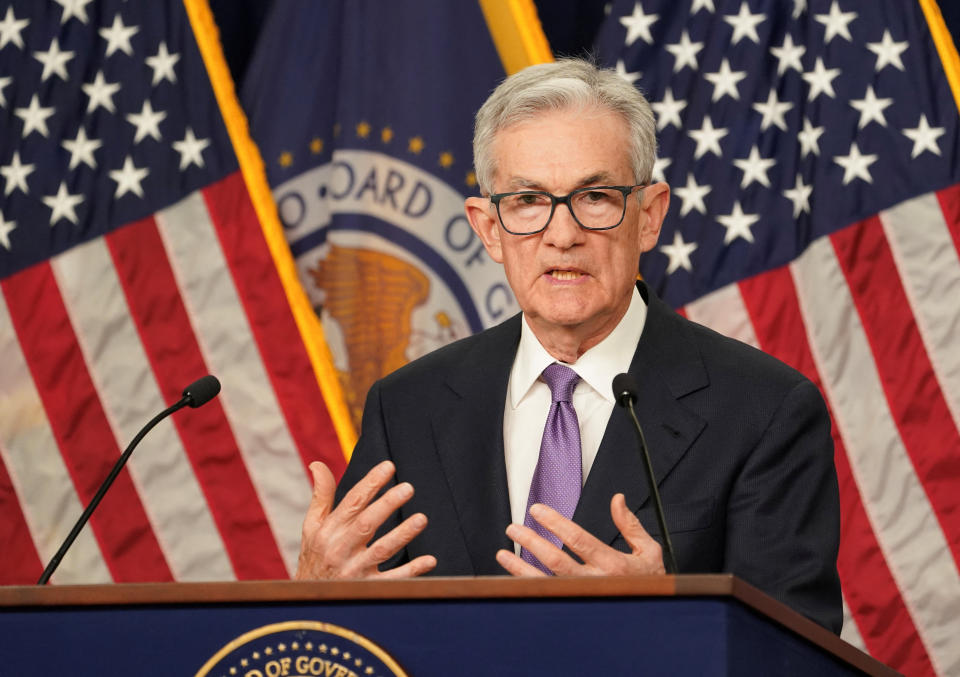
{"points": [[562, 85]]}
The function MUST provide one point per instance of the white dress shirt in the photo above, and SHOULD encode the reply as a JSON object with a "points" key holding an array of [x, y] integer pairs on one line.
{"points": [[529, 400]]}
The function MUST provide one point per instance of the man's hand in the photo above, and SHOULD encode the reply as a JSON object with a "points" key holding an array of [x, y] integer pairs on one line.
{"points": [[334, 543], [599, 559]]}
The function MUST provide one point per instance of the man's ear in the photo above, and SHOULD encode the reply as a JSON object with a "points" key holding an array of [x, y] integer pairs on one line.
{"points": [[653, 205], [485, 223]]}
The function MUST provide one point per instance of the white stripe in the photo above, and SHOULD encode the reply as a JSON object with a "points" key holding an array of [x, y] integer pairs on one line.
{"points": [[121, 374], [723, 310], [47, 496], [898, 509], [230, 351], [850, 632], [930, 269]]}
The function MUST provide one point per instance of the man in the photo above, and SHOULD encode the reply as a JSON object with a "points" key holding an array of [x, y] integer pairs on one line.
{"points": [[740, 443]]}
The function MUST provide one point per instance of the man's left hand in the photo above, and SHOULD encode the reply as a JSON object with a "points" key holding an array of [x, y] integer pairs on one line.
{"points": [[599, 559]]}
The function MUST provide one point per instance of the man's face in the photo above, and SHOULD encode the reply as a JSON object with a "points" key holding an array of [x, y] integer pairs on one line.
{"points": [[566, 278]]}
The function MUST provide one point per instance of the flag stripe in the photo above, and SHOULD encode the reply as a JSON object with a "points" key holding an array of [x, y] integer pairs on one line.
{"points": [[168, 339], [724, 311], [894, 499], [129, 393], [48, 499], [22, 563], [950, 207], [229, 349], [869, 590], [80, 426], [919, 409], [265, 303]]}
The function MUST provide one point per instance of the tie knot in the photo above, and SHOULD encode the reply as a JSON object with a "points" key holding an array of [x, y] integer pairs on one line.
{"points": [[562, 380]]}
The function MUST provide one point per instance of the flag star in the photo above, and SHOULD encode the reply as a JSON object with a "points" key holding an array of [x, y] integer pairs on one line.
{"points": [[668, 110], [77, 8], [190, 149], [754, 168], [15, 174], [799, 7], [11, 28], [799, 195], [34, 118], [679, 253], [821, 80], [118, 36], [855, 165], [638, 25], [888, 52], [147, 122], [3, 83], [871, 108], [54, 61], [81, 149], [836, 23], [101, 93], [788, 55], [162, 64], [745, 24], [685, 52], [773, 112], [63, 205], [738, 224], [924, 137], [708, 139], [629, 77], [702, 4], [809, 138], [128, 178], [5, 228], [692, 196], [725, 81], [659, 167]]}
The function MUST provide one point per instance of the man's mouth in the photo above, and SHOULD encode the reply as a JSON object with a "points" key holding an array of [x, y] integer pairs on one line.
{"points": [[564, 275]]}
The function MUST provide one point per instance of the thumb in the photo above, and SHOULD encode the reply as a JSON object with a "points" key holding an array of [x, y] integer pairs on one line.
{"points": [[630, 527], [324, 487]]}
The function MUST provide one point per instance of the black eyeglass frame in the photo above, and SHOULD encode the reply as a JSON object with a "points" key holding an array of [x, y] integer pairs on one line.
{"points": [[565, 200]]}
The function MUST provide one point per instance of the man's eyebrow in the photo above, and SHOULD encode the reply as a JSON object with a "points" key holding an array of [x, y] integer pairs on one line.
{"points": [[523, 183]]}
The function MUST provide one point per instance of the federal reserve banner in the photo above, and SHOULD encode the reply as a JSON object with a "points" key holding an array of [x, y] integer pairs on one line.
{"points": [[363, 112]]}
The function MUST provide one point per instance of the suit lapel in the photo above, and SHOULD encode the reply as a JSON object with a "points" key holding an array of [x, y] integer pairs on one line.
{"points": [[468, 429], [667, 366]]}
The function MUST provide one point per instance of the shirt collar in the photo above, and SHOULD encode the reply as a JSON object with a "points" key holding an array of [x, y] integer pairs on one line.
{"points": [[596, 367]]}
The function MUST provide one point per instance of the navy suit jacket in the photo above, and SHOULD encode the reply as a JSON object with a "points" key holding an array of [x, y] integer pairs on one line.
{"points": [[740, 443]]}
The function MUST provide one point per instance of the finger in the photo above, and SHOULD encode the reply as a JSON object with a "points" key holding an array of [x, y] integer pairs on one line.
{"points": [[324, 487], [365, 525], [549, 554], [360, 495], [516, 566], [393, 541], [630, 527], [587, 547], [415, 567]]}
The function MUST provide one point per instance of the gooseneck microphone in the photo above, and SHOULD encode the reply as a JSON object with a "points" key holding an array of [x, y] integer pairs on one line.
{"points": [[195, 395], [625, 392]]}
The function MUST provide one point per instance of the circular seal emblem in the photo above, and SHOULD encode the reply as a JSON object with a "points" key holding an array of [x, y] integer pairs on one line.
{"points": [[301, 649]]}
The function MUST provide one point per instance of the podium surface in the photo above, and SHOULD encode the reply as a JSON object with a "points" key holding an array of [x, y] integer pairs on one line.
{"points": [[649, 625]]}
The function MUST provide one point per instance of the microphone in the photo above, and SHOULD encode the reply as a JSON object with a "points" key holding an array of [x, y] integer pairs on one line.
{"points": [[195, 395], [625, 392]]}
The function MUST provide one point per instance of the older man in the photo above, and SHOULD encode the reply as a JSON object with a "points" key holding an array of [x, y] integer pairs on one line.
{"points": [[510, 437]]}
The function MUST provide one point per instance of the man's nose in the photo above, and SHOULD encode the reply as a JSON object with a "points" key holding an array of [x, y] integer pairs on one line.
{"points": [[563, 230]]}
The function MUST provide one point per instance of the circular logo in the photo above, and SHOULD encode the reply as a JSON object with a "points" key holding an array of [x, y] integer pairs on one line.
{"points": [[301, 649]]}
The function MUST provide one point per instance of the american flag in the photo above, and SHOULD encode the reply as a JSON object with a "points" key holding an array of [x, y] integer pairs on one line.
{"points": [[812, 149], [132, 261]]}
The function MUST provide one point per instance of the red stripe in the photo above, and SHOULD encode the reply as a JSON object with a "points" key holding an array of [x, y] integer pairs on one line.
{"points": [[870, 590], [21, 562], [278, 338], [950, 205], [174, 354], [909, 382], [80, 425]]}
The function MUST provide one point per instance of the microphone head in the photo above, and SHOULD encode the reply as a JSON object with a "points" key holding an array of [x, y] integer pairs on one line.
{"points": [[201, 391], [625, 389]]}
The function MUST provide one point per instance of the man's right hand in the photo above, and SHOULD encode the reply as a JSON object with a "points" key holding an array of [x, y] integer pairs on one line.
{"points": [[336, 543]]}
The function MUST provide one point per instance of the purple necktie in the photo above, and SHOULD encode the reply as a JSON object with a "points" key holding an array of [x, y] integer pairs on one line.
{"points": [[558, 477]]}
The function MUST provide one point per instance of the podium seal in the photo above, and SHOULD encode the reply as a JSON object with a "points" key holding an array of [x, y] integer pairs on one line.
{"points": [[301, 649]]}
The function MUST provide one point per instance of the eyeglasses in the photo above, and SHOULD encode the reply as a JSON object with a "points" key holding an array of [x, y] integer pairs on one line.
{"points": [[527, 212]]}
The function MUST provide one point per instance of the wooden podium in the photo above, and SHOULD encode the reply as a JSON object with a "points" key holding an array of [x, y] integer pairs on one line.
{"points": [[663, 625]]}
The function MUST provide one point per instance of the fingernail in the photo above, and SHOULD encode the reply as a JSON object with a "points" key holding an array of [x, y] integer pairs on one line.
{"points": [[384, 469], [405, 490], [512, 530], [419, 520], [536, 509]]}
